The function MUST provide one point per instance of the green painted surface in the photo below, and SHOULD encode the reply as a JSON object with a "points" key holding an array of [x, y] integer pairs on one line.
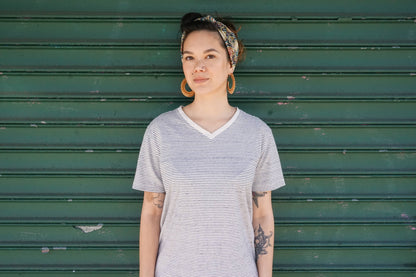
{"points": [[262, 8], [128, 137], [167, 59], [35, 111], [78, 273], [287, 259], [286, 211], [80, 80], [292, 273], [346, 259], [287, 235], [25, 186], [61, 258], [252, 86], [124, 162], [143, 32]]}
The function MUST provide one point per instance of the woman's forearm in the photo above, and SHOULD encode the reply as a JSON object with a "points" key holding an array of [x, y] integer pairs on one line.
{"points": [[263, 243], [149, 244]]}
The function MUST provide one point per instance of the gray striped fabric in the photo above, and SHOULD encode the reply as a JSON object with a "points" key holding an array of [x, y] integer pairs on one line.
{"points": [[208, 178]]}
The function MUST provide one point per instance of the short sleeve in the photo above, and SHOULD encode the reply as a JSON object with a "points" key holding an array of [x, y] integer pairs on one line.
{"points": [[269, 175], [148, 176]]}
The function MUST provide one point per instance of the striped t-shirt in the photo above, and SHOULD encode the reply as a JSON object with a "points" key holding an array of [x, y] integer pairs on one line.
{"points": [[208, 178]]}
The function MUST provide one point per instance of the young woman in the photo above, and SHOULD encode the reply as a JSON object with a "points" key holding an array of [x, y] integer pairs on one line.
{"points": [[207, 171]]}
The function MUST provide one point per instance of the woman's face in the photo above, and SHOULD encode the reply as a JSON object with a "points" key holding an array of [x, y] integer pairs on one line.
{"points": [[205, 62]]}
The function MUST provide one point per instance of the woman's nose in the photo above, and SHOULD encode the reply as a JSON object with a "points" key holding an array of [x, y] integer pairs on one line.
{"points": [[199, 66]]}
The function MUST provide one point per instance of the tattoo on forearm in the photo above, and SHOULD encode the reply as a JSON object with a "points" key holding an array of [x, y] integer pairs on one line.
{"points": [[256, 195], [158, 200], [261, 242]]}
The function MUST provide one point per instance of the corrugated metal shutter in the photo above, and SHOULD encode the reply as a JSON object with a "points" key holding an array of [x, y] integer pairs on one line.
{"points": [[81, 79]]}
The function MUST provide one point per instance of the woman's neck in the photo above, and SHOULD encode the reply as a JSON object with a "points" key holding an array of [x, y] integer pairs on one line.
{"points": [[206, 107]]}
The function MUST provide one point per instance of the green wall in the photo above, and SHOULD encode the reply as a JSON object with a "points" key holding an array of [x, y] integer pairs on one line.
{"points": [[81, 79]]}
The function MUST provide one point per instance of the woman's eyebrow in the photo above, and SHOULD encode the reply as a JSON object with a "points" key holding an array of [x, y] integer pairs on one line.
{"points": [[206, 51], [211, 50]]}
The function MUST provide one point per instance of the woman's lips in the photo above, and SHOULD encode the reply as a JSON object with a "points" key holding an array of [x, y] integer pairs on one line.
{"points": [[200, 80]]}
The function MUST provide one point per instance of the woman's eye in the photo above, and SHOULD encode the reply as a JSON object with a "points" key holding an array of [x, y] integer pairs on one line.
{"points": [[188, 58], [210, 56]]}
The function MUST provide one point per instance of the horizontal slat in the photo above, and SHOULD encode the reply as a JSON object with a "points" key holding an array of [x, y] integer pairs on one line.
{"points": [[349, 162], [330, 137], [347, 259], [263, 8], [291, 211], [347, 187], [67, 187], [285, 235], [148, 32], [70, 211], [69, 259], [112, 273], [70, 236], [129, 137], [119, 187], [268, 86], [167, 59], [345, 235], [345, 273], [285, 259], [80, 273], [71, 137], [278, 112], [124, 162], [75, 111], [285, 211]]}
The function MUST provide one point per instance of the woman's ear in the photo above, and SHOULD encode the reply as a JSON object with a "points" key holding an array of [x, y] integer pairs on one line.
{"points": [[230, 69]]}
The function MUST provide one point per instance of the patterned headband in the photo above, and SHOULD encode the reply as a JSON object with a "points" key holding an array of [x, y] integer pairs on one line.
{"points": [[228, 36]]}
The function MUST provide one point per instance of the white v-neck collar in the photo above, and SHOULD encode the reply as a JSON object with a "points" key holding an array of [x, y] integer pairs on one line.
{"points": [[205, 132]]}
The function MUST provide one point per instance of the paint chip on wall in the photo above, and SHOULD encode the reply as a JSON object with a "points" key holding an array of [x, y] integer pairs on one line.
{"points": [[89, 228]]}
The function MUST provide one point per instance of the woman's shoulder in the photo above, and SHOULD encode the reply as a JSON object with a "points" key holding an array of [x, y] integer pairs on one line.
{"points": [[165, 118], [252, 122]]}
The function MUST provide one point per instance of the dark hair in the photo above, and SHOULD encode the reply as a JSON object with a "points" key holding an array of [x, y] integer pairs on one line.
{"points": [[188, 25]]}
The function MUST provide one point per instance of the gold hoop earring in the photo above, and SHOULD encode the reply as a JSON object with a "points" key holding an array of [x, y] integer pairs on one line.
{"points": [[232, 88], [184, 91]]}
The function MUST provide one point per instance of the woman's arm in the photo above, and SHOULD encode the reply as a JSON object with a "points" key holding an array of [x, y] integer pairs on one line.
{"points": [[263, 225], [149, 232]]}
